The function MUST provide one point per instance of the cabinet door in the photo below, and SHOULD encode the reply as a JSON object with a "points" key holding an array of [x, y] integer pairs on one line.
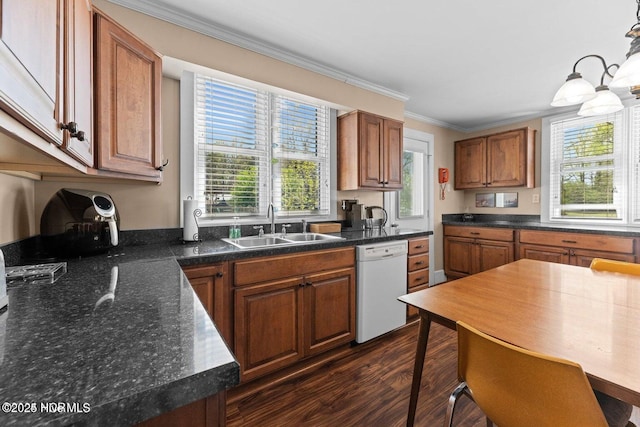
{"points": [[210, 283], [458, 256], [470, 163], [583, 258], [329, 310], [30, 72], [204, 289], [493, 254], [506, 159], [392, 156], [128, 78], [78, 82], [267, 321], [371, 135], [545, 253]]}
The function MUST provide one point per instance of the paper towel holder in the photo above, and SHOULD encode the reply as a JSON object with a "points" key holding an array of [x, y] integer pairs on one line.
{"points": [[190, 232]]}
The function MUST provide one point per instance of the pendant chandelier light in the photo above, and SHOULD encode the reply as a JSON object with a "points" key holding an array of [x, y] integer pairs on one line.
{"points": [[601, 100]]}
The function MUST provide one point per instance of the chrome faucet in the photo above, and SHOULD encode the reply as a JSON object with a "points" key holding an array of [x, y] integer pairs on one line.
{"points": [[284, 230], [270, 209], [260, 230], [304, 226]]}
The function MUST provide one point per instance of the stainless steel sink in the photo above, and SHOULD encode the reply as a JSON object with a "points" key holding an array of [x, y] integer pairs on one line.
{"points": [[251, 242], [256, 242], [310, 237]]}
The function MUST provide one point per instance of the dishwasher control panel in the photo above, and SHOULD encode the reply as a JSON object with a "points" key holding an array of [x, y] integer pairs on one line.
{"points": [[381, 250]]}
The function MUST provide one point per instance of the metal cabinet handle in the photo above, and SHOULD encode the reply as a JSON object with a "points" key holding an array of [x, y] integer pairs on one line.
{"points": [[419, 262], [219, 274], [569, 241], [72, 127], [474, 233]]}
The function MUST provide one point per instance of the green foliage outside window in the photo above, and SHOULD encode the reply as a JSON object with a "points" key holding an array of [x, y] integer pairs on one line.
{"points": [[300, 185], [588, 172]]}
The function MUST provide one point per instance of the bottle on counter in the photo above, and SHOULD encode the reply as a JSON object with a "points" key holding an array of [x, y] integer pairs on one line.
{"points": [[234, 229]]}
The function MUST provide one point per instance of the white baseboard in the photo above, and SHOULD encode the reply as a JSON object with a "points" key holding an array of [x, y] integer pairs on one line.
{"points": [[439, 277]]}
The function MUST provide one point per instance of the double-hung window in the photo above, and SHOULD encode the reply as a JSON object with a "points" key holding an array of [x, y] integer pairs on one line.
{"points": [[252, 148], [592, 165]]}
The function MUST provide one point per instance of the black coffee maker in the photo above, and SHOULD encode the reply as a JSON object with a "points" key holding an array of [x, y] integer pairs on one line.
{"points": [[79, 222]]}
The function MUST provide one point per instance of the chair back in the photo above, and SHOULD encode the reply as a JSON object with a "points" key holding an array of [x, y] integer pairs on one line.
{"points": [[515, 387], [601, 264]]}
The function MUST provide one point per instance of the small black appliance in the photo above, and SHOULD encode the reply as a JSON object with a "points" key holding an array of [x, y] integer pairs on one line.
{"points": [[79, 222]]}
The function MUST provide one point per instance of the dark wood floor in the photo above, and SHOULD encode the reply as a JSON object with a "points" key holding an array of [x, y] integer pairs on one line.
{"points": [[368, 388]]}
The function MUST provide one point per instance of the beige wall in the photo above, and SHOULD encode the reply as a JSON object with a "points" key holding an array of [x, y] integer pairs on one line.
{"points": [[17, 218]]}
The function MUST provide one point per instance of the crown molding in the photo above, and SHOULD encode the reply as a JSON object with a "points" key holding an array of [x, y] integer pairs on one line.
{"points": [[219, 32], [436, 122]]}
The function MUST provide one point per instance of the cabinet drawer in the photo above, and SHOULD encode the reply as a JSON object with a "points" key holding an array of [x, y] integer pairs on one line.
{"points": [[417, 278], [598, 242], [416, 262], [275, 267], [503, 234], [418, 246]]}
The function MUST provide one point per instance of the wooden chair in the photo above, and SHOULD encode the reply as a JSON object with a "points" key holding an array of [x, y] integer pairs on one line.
{"points": [[515, 387], [601, 264]]}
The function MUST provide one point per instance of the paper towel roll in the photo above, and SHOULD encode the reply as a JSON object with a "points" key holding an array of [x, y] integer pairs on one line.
{"points": [[190, 230]]}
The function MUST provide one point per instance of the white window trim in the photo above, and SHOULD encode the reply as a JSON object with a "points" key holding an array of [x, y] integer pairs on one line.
{"points": [[628, 213], [417, 138], [187, 161]]}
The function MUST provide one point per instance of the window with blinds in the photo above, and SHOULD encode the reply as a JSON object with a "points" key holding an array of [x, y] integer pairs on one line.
{"points": [[588, 169], [254, 148]]}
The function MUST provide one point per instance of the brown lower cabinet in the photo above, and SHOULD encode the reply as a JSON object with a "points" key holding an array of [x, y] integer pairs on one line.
{"points": [[209, 412], [212, 286], [470, 250], [574, 248], [291, 307], [417, 269]]}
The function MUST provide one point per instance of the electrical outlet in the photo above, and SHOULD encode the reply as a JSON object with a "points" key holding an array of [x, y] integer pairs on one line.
{"points": [[535, 198]]}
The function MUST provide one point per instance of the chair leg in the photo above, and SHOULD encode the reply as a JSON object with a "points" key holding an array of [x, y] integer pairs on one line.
{"points": [[461, 389], [489, 422]]}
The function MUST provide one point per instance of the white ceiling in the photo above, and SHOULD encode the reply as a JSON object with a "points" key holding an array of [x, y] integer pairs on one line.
{"points": [[462, 64]]}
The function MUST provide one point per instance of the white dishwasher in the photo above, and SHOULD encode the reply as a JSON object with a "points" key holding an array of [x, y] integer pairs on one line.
{"points": [[382, 278]]}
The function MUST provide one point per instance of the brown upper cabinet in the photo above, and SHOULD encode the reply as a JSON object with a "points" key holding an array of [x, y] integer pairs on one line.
{"points": [[128, 84], [505, 159], [369, 152], [53, 59]]}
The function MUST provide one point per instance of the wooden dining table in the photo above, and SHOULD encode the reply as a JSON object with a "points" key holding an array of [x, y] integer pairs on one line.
{"points": [[589, 317]]}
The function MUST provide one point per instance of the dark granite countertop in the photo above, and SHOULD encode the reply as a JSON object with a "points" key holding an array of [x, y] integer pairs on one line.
{"points": [[532, 222], [116, 356], [210, 251]]}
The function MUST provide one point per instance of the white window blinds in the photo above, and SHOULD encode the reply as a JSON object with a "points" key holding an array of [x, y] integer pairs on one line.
{"points": [[588, 169], [300, 157], [254, 148]]}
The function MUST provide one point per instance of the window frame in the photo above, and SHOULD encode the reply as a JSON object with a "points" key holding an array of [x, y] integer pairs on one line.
{"points": [[188, 153], [629, 138]]}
